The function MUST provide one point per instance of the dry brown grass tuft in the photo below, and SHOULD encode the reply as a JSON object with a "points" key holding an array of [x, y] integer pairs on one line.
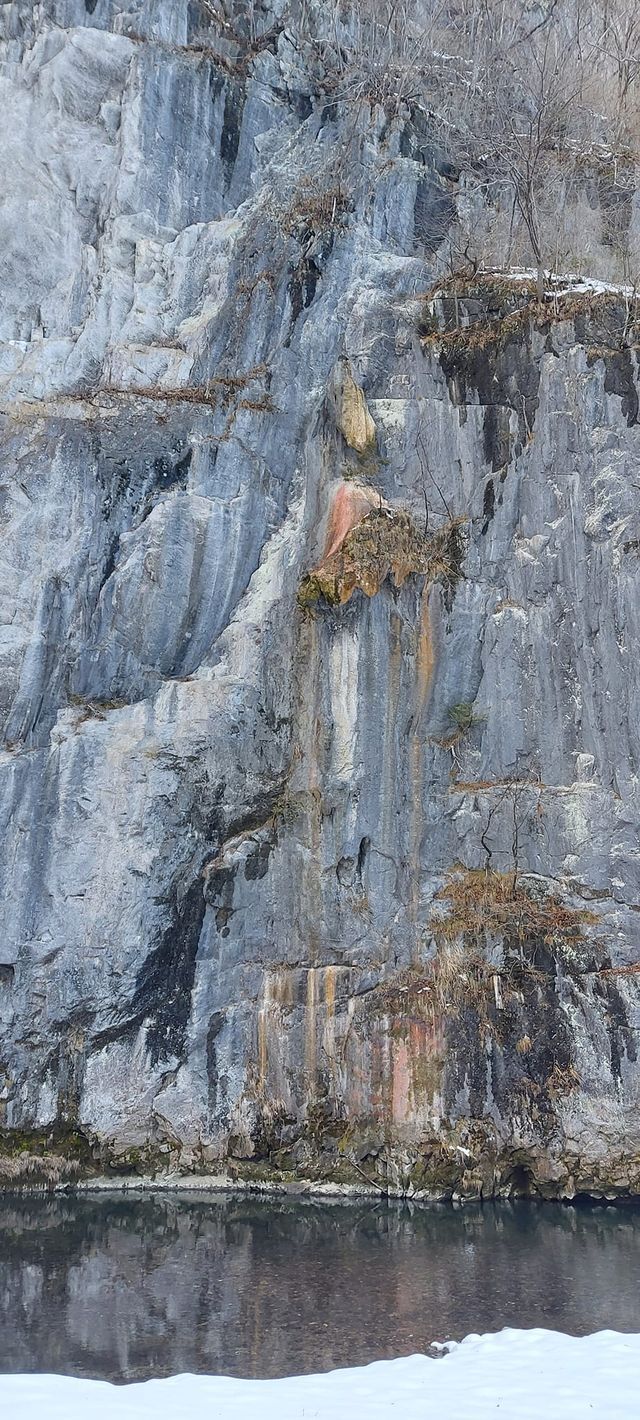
{"points": [[165, 394], [29, 1170], [481, 904], [313, 208], [220, 389], [460, 976], [511, 309], [456, 976], [386, 543]]}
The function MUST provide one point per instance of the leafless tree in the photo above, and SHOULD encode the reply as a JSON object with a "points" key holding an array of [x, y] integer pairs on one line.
{"points": [[523, 99], [519, 97], [515, 805], [619, 42]]}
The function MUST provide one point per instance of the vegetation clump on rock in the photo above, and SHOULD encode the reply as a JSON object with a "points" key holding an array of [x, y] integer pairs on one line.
{"points": [[482, 903], [385, 544], [37, 1159]]}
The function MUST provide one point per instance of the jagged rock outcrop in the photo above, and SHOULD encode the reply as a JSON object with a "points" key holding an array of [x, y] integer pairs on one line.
{"points": [[230, 819]]}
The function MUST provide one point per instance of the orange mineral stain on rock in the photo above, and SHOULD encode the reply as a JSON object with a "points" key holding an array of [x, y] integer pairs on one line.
{"points": [[351, 503], [330, 988], [283, 986], [278, 997], [425, 655], [401, 1083], [311, 1027], [263, 1039]]}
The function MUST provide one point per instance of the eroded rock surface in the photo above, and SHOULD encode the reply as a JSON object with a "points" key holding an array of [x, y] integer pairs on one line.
{"points": [[228, 818]]}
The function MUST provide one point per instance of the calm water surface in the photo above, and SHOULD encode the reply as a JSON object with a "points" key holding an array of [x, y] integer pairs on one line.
{"points": [[127, 1289]]}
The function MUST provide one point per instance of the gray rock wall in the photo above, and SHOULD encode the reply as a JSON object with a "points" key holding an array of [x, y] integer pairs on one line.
{"points": [[226, 816]]}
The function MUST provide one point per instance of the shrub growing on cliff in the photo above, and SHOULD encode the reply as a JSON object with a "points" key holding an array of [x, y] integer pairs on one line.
{"points": [[316, 206], [480, 905], [462, 715], [385, 544]]}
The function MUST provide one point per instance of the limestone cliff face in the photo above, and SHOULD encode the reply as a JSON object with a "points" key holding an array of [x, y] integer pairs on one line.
{"points": [[335, 885]]}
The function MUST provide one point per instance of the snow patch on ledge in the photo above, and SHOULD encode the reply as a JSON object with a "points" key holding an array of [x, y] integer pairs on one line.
{"points": [[518, 1375], [561, 284]]}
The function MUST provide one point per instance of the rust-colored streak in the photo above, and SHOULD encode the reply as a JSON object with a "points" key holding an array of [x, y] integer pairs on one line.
{"points": [[351, 503], [400, 1082], [425, 655], [311, 1027]]}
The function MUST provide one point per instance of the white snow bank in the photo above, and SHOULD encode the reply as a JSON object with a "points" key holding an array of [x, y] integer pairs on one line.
{"points": [[514, 1375]]}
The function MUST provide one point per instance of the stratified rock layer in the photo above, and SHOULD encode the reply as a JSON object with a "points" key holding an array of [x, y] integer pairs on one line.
{"points": [[233, 816]]}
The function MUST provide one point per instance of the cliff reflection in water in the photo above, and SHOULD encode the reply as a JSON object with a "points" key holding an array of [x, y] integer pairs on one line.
{"points": [[124, 1288]]}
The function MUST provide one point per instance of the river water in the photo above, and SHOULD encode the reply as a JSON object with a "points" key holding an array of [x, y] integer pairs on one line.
{"points": [[126, 1288]]}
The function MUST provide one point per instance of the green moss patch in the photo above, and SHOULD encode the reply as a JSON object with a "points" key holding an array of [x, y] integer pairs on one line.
{"points": [[43, 1159]]}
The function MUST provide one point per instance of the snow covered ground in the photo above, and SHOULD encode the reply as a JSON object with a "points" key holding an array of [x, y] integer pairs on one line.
{"points": [[513, 1375]]}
